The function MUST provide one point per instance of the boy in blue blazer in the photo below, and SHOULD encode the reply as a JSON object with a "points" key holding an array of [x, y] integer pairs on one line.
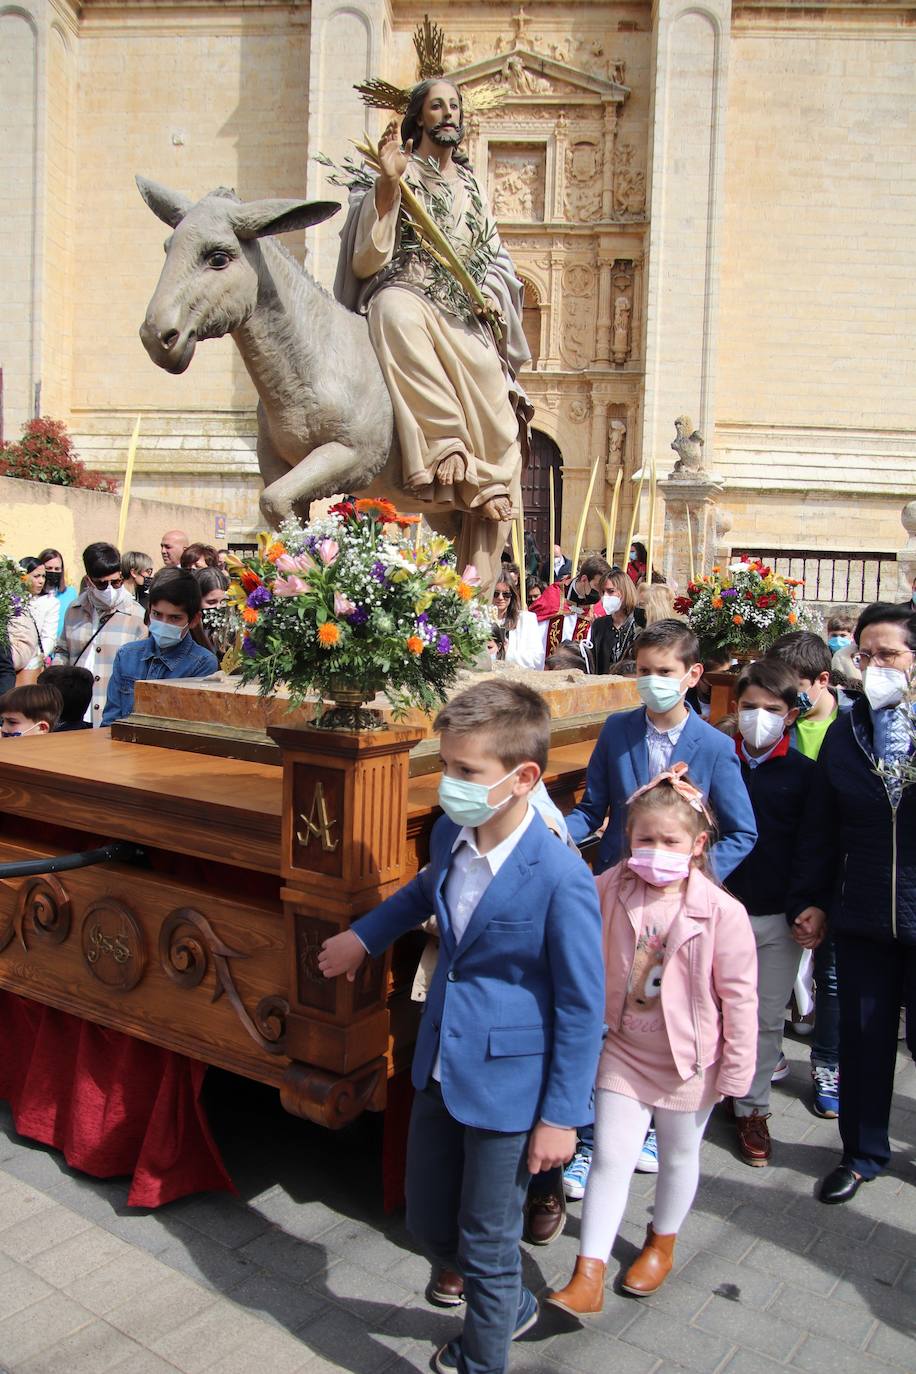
{"points": [[635, 746], [509, 1039]]}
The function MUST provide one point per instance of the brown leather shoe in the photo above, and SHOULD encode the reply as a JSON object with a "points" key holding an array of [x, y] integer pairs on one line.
{"points": [[584, 1294], [754, 1144], [445, 1289], [545, 1217], [651, 1266]]}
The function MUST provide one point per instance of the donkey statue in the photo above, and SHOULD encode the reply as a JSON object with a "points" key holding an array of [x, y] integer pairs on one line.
{"points": [[325, 423]]}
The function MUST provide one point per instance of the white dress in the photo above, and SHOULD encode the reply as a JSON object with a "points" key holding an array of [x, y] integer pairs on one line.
{"points": [[525, 644]]}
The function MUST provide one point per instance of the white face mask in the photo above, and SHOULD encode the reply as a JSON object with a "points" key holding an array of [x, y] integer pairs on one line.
{"points": [[761, 729], [104, 596], [884, 686], [611, 603]]}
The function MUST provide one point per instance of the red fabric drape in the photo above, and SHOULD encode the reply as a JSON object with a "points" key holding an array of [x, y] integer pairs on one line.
{"points": [[111, 1103]]}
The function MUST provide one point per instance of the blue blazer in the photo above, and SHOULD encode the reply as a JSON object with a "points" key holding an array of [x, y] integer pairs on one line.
{"points": [[620, 763], [517, 1008]]}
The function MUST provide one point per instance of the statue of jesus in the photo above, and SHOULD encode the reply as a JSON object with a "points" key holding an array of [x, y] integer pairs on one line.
{"points": [[460, 413]]}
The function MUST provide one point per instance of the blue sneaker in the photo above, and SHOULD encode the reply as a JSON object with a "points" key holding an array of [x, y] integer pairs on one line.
{"points": [[575, 1175], [826, 1090], [446, 1360], [648, 1155]]}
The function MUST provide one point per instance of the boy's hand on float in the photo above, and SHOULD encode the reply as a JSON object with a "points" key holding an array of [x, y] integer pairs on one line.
{"points": [[808, 927], [343, 953], [550, 1147]]}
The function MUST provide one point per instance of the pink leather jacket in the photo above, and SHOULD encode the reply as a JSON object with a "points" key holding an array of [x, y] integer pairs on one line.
{"points": [[709, 980]]}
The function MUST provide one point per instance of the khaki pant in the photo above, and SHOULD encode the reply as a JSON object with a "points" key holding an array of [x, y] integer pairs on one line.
{"points": [[777, 966]]}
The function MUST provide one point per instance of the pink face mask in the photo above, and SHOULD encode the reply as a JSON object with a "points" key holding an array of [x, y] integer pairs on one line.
{"points": [[659, 867]]}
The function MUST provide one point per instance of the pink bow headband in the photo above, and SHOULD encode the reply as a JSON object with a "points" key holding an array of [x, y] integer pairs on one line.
{"points": [[686, 790]]}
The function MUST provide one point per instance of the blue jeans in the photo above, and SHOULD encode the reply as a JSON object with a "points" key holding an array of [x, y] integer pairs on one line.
{"points": [[825, 1047], [466, 1192]]}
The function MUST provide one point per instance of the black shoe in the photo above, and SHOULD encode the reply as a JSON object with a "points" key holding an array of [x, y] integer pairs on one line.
{"points": [[840, 1185]]}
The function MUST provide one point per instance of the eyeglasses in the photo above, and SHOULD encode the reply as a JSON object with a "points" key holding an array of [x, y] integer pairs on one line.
{"points": [[884, 658], [100, 583], [502, 596]]}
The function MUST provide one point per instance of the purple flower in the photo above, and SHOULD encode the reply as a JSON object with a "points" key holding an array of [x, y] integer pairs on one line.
{"points": [[249, 647], [358, 616], [259, 597], [378, 571], [423, 619], [443, 645], [729, 592]]}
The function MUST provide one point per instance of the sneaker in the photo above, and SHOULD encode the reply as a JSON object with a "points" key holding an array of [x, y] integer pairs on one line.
{"points": [[648, 1155], [781, 1071], [826, 1090], [754, 1144], [446, 1359], [575, 1175]]}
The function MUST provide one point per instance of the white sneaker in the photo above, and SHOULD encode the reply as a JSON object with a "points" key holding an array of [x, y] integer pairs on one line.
{"points": [[648, 1155]]}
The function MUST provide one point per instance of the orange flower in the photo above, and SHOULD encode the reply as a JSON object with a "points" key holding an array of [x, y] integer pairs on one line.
{"points": [[328, 634], [792, 617], [715, 570], [377, 508], [405, 520], [737, 619], [249, 615], [464, 591], [275, 551], [249, 579], [415, 644], [716, 603]]}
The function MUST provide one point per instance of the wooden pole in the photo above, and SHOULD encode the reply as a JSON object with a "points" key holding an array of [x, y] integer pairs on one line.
{"points": [[650, 549], [580, 532], [515, 548], [632, 530], [612, 518], [551, 525], [693, 571], [128, 478]]}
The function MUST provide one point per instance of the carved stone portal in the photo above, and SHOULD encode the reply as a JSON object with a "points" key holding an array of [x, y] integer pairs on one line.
{"points": [[518, 176]]}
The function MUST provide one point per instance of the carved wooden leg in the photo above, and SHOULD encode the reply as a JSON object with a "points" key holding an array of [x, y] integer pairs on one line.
{"points": [[330, 1100]]}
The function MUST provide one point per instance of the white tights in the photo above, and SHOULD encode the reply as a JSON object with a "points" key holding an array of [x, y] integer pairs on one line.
{"points": [[621, 1124]]}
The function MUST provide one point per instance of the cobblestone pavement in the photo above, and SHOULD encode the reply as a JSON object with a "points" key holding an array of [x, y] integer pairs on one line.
{"points": [[303, 1272]]}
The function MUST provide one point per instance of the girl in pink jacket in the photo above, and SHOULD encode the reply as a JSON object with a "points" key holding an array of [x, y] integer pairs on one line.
{"points": [[681, 1009]]}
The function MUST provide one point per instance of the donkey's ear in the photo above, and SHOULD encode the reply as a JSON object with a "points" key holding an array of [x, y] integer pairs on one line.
{"points": [[258, 218], [170, 206]]}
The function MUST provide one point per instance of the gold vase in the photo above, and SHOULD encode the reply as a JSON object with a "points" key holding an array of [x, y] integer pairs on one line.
{"points": [[349, 711]]}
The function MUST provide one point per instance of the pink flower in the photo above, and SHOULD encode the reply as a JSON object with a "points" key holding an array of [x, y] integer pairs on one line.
{"points": [[343, 605], [471, 576], [328, 549], [287, 563], [289, 586]]}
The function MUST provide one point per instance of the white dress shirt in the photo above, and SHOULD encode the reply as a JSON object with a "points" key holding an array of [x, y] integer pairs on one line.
{"points": [[660, 745], [469, 876]]}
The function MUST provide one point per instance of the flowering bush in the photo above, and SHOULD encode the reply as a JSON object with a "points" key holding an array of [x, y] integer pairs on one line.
{"points": [[14, 594], [45, 454], [742, 608], [350, 601]]}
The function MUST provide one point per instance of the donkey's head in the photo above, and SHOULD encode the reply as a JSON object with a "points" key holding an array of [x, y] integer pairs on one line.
{"points": [[209, 283]]}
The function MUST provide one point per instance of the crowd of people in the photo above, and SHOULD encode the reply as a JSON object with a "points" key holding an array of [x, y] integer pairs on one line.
{"points": [[579, 1025], [122, 624], [578, 1029]]}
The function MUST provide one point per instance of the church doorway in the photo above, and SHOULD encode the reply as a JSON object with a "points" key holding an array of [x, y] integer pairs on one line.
{"points": [[536, 489]]}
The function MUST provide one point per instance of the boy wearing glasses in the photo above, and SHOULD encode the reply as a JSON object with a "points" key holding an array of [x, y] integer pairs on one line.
{"points": [[857, 871], [102, 618]]}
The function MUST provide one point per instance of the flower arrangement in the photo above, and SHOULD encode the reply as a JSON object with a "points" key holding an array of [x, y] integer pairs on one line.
{"points": [[14, 594], [743, 607], [351, 604]]}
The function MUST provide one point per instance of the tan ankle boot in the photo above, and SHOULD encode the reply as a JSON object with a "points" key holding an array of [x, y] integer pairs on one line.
{"points": [[651, 1267], [585, 1291]]}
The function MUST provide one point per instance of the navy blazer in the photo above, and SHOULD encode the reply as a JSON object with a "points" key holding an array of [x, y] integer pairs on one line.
{"points": [[620, 763], [516, 1009]]}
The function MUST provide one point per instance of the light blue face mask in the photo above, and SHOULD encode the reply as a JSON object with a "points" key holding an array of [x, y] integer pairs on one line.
{"points": [[660, 693], [468, 803], [165, 635], [836, 642]]}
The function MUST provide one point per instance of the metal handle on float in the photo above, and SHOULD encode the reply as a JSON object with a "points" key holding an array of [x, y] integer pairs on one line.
{"points": [[118, 851]]}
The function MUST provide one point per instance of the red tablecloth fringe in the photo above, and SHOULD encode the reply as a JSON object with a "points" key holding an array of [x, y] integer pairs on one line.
{"points": [[111, 1103]]}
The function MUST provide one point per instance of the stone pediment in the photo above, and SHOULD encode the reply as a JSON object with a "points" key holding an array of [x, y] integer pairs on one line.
{"points": [[529, 77]]}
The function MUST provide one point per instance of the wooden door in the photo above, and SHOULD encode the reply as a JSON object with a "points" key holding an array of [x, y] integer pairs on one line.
{"points": [[536, 489]]}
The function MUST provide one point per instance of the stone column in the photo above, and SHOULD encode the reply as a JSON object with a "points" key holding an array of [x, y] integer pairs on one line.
{"points": [[906, 558], [347, 44], [686, 206], [694, 499]]}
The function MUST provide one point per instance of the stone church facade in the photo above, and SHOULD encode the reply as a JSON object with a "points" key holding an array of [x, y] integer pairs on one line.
{"points": [[712, 205]]}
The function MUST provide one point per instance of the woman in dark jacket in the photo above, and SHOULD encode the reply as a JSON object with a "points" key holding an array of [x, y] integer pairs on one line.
{"points": [[857, 864]]}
